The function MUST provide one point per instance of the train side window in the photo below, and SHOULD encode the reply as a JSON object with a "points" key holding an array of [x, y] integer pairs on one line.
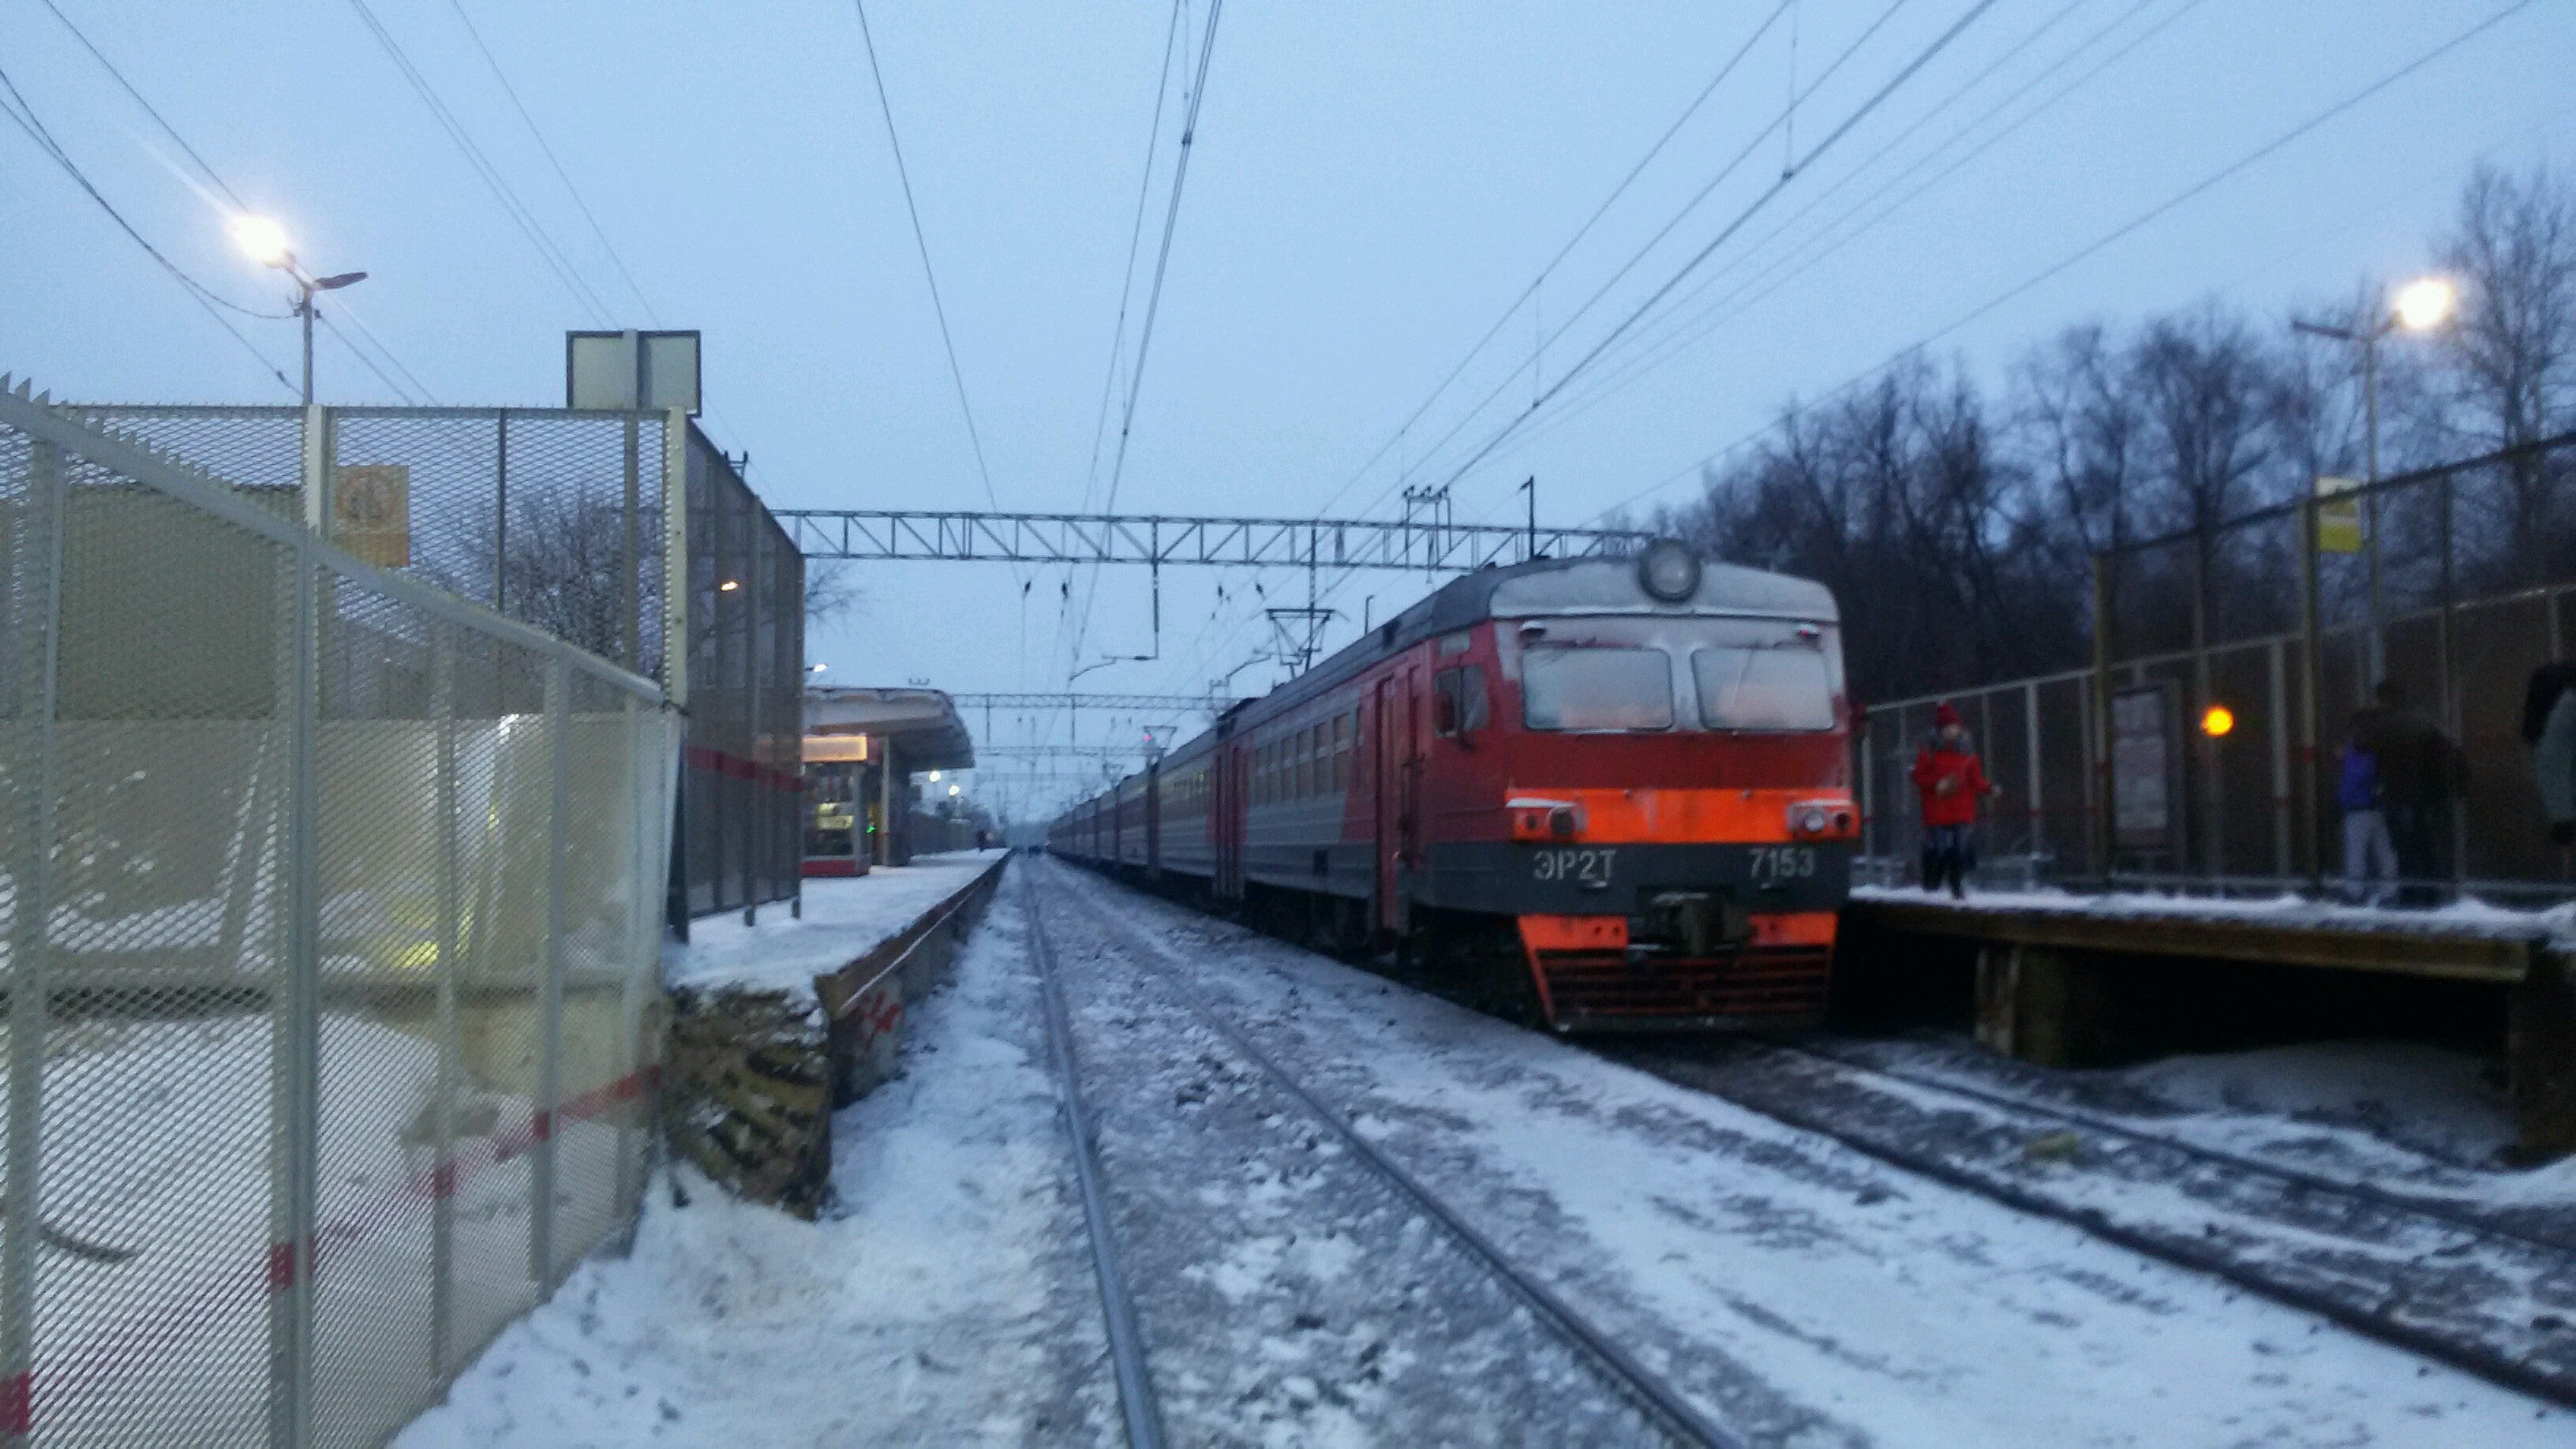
{"points": [[1341, 751], [1305, 763], [1458, 701]]}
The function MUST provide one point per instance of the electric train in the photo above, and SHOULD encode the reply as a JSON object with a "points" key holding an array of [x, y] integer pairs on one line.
{"points": [[1597, 793]]}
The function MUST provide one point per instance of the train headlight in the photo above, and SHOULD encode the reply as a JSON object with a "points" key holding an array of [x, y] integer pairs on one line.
{"points": [[1668, 570], [1830, 818], [1812, 821], [1562, 822]]}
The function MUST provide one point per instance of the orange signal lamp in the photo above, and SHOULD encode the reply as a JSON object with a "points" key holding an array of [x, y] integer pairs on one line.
{"points": [[2217, 720]]}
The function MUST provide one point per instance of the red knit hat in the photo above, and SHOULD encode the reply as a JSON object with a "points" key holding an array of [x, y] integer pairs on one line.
{"points": [[1944, 716]]}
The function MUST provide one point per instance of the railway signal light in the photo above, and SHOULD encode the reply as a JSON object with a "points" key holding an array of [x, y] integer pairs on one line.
{"points": [[2217, 720]]}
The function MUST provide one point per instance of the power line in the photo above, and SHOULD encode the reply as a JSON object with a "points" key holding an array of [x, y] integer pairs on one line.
{"points": [[1566, 250], [1795, 166], [1135, 241], [2096, 246], [27, 120], [547, 250], [1805, 256], [1788, 174], [956, 374], [1154, 294], [551, 160], [216, 177]]}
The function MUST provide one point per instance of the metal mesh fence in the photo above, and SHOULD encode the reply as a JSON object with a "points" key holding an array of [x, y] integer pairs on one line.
{"points": [[741, 826], [556, 518], [330, 906], [2452, 584]]}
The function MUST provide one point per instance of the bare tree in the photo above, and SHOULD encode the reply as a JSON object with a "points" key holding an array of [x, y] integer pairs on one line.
{"points": [[2513, 349]]}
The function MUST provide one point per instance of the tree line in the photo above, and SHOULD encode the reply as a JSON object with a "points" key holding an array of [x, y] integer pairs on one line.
{"points": [[1955, 518]]}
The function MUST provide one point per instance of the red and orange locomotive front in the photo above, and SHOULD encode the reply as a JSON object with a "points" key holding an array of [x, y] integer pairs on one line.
{"points": [[1621, 785], [1647, 766]]}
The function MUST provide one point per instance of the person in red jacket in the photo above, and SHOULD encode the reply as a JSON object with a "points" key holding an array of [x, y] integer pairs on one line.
{"points": [[1950, 779]]}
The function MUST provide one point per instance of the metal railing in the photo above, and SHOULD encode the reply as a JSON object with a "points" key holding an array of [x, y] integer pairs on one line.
{"points": [[2453, 582], [332, 910]]}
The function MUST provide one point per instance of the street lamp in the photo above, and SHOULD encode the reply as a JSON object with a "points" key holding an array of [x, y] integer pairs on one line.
{"points": [[265, 242], [2419, 306]]}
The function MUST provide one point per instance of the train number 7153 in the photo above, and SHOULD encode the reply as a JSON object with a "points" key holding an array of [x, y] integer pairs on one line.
{"points": [[1783, 862]]}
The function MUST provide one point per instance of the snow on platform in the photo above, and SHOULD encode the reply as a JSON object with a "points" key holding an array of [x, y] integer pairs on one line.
{"points": [[845, 918], [2556, 924], [944, 1300]]}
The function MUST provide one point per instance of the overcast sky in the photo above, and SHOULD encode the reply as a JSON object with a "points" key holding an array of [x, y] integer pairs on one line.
{"points": [[1371, 187]]}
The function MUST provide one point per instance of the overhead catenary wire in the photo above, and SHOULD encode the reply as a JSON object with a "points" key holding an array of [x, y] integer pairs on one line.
{"points": [[1787, 177], [1153, 298], [930, 274], [1789, 174], [547, 249], [2090, 249], [1530, 292], [1637, 257], [1677, 337], [552, 160], [20, 112]]}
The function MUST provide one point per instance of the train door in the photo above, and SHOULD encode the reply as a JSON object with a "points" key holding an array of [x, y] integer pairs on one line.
{"points": [[1231, 779], [1383, 808], [1408, 813], [1154, 821]]}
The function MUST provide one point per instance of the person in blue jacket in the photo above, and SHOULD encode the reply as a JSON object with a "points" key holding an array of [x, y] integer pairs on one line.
{"points": [[2369, 853]]}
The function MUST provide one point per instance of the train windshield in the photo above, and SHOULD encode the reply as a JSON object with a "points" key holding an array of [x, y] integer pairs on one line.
{"points": [[1596, 689], [1780, 684], [1632, 673]]}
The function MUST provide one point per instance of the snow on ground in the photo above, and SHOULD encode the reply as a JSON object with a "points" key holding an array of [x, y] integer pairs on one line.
{"points": [[2461, 917], [1912, 1313], [2427, 1119], [947, 1297], [844, 919]]}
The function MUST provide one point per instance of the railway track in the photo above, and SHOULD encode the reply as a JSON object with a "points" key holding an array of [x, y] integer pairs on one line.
{"points": [[1649, 1393], [2490, 1299]]}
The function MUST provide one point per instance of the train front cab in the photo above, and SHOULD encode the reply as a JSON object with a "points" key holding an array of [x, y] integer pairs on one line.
{"points": [[1676, 824]]}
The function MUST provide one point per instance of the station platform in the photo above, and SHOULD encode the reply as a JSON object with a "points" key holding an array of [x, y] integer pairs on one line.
{"points": [[2076, 981]]}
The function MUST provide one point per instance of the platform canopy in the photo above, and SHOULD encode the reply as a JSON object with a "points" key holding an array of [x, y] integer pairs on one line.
{"points": [[921, 724]]}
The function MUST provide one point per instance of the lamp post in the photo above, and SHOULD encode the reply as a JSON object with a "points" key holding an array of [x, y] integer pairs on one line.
{"points": [[265, 241], [2419, 306]]}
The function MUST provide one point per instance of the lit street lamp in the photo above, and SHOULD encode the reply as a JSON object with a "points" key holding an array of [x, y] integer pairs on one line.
{"points": [[265, 241], [2419, 306]]}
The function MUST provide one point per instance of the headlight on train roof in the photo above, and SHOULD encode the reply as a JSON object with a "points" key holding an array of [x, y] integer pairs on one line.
{"points": [[1668, 570]]}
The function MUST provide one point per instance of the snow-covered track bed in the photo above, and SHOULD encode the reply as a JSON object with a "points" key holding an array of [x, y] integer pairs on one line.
{"points": [[1463, 1344], [2446, 1280]]}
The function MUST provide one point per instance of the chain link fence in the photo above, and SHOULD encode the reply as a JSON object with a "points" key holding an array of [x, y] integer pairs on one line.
{"points": [[2453, 584], [331, 906], [560, 519]]}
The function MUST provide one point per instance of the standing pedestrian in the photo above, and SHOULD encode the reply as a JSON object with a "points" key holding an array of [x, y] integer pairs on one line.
{"points": [[2420, 773], [2549, 727], [1950, 779], [2368, 854]]}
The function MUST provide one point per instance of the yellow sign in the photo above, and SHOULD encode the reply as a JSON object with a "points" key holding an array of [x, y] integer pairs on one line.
{"points": [[2338, 516], [371, 513]]}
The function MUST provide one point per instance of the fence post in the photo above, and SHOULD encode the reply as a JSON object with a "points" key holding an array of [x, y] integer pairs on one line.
{"points": [[630, 552], [2312, 669], [643, 937], [294, 1015], [2282, 859], [442, 1222], [2450, 687], [541, 1173], [36, 641], [2105, 824], [2035, 810]]}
